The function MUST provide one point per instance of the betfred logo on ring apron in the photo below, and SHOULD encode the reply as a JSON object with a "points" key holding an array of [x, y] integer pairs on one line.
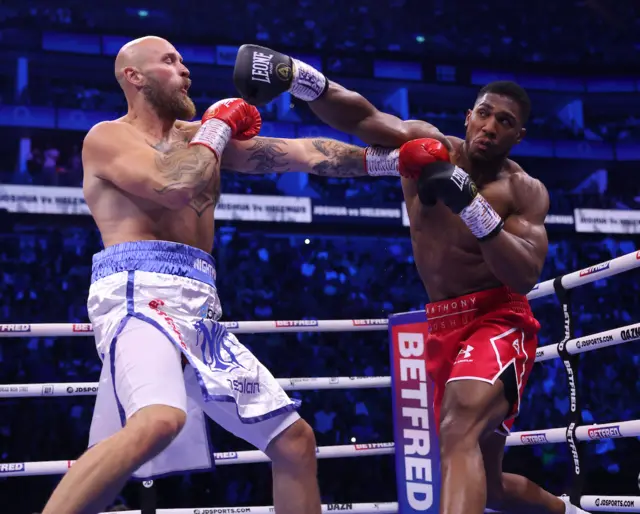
{"points": [[417, 448]]}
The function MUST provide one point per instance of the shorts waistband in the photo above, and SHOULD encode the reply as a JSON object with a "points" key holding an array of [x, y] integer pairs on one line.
{"points": [[457, 312], [156, 257]]}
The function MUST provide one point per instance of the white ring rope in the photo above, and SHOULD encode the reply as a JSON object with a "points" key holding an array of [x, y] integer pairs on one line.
{"points": [[288, 384], [611, 503], [552, 435], [358, 508], [593, 503], [587, 275], [236, 327], [569, 281], [60, 467], [584, 344]]}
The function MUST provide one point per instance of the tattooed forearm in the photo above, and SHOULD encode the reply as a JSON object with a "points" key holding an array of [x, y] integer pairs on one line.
{"points": [[325, 157], [269, 155], [339, 159]]}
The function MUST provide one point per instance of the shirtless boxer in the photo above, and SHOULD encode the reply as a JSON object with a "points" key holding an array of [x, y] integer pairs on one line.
{"points": [[479, 244], [151, 183]]}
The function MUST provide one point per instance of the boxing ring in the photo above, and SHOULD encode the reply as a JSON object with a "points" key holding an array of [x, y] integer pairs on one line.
{"points": [[574, 434]]}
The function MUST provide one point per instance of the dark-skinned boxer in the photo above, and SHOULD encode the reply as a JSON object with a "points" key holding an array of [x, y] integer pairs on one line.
{"points": [[477, 228]]}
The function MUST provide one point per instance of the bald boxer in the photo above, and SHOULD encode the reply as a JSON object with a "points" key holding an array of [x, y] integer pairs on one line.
{"points": [[477, 228], [152, 182]]}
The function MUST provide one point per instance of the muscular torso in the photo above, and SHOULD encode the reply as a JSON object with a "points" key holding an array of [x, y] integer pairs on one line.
{"points": [[447, 255], [122, 217]]}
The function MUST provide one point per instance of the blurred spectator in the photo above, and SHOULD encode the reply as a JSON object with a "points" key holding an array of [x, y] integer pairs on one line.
{"points": [[35, 163], [50, 166]]}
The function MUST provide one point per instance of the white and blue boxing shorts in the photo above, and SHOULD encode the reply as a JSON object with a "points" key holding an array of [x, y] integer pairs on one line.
{"points": [[153, 304]]}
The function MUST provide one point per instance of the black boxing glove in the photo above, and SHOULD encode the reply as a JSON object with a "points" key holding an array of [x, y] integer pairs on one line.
{"points": [[453, 186], [261, 74]]}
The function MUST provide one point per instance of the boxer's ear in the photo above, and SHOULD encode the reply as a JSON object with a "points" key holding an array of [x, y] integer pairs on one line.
{"points": [[523, 132], [467, 117], [133, 76]]}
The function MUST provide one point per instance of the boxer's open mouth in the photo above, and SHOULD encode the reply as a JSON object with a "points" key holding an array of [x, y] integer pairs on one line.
{"points": [[483, 144]]}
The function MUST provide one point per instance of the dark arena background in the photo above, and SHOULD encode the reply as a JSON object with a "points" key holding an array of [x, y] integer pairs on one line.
{"points": [[341, 250]]}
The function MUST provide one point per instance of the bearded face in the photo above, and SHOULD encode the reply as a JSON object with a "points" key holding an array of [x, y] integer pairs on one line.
{"points": [[169, 101]]}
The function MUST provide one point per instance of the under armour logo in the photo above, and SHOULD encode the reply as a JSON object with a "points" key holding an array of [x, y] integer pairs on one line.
{"points": [[516, 345], [467, 352]]}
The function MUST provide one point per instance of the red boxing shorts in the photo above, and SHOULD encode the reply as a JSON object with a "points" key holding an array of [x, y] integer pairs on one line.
{"points": [[482, 336]]}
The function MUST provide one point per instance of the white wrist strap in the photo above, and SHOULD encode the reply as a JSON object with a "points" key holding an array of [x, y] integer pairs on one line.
{"points": [[381, 161], [214, 134], [481, 219], [308, 83]]}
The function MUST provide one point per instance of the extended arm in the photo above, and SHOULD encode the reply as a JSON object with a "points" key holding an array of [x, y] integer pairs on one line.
{"points": [[337, 106], [350, 112], [318, 156], [342, 109]]}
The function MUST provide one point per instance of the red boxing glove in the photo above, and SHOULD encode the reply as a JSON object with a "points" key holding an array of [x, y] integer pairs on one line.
{"points": [[243, 118], [418, 153], [232, 118], [407, 161]]}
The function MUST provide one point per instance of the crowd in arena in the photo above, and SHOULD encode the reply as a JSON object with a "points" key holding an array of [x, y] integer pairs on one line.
{"points": [[45, 278], [329, 272], [601, 32]]}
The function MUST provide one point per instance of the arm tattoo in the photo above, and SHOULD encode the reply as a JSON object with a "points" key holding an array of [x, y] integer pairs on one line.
{"points": [[190, 168], [325, 156], [342, 159], [268, 155]]}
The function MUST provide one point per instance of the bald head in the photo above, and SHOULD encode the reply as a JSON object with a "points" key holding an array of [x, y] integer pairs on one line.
{"points": [[150, 70], [136, 53]]}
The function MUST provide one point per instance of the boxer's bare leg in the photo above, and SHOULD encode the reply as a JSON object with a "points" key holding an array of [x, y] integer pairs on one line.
{"points": [[96, 478], [471, 410], [510, 493], [295, 483]]}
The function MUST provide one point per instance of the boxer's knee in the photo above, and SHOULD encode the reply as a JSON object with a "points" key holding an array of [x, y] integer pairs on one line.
{"points": [[153, 428], [294, 447], [457, 432]]}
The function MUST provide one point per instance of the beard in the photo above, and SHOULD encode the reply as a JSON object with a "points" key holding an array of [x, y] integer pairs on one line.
{"points": [[169, 105]]}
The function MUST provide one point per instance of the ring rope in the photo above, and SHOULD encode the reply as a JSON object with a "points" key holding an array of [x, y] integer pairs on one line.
{"points": [[593, 503], [358, 508], [587, 275], [288, 384], [616, 430], [577, 278], [60, 467], [616, 336]]}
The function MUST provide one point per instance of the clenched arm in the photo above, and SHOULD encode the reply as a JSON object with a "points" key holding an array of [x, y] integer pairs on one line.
{"points": [[317, 156], [117, 153], [516, 255]]}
